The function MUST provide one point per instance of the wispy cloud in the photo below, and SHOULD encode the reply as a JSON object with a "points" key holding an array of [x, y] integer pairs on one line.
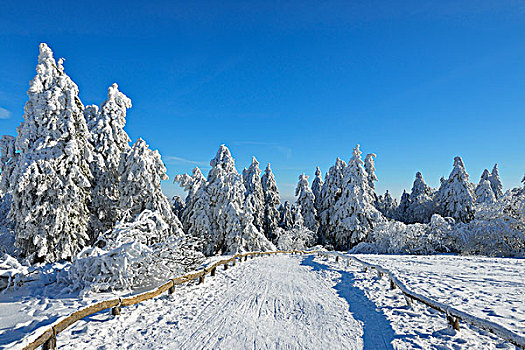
{"points": [[4, 113], [175, 159]]}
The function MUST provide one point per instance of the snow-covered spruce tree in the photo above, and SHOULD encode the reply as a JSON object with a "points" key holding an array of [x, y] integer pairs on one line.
{"points": [[286, 216], [306, 201], [109, 142], [177, 205], [371, 170], [141, 170], [317, 187], [387, 205], [194, 212], [484, 193], [330, 193], [495, 182], [231, 229], [7, 162], [271, 203], [254, 196], [50, 183], [403, 210], [354, 213], [456, 197], [421, 203]]}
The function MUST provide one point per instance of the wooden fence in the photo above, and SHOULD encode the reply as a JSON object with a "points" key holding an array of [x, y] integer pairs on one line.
{"points": [[453, 315], [48, 338]]}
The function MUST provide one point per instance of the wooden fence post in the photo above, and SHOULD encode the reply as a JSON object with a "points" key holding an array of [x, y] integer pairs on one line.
{"points": [[201, 279], [337, 258], [51, 343], [392, 284], [453, 321], [115, 311], [212, 272], [172, 288], [234, 262]]}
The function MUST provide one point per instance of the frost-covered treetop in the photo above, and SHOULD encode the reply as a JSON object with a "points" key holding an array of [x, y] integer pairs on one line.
{"points": [[485, 176], [420, 188], [222, 163], [495, 182], [252, 177], [192, 183], [459, 170], [302, 184], [371, 169], [52, 108]]}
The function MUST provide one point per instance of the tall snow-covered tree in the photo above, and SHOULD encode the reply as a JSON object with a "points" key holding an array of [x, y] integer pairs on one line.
{"points": [[50, 183], [230, 226], [354, 213], [194, 213], [403, 210], [330, 193], [306, 200], [7, 162], [141, 171], [484, 193], [271, 202], [286, 216], [456, 197], [317, 187], [254, 196], [495, 182], [110, 142], [421, 203], [371, 170], [387, 205]]}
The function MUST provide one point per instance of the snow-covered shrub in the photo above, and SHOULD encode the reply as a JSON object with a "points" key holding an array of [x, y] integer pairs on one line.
{"points": [[394, 237], [137, 254], [294, 239], [12, 272]]}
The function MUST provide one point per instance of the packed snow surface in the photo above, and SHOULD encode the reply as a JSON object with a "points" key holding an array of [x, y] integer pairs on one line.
{"points": [[278, 302], [489, 288]]}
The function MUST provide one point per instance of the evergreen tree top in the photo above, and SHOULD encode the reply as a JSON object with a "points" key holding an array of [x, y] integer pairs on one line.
{"points": [[222, 163]]}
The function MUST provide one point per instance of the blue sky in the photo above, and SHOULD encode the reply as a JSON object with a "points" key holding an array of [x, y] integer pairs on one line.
{"points": [[294, 83]]}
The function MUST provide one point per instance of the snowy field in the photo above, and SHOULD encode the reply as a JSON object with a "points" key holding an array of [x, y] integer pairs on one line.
{"points": [[489, 288], [284, 302]]}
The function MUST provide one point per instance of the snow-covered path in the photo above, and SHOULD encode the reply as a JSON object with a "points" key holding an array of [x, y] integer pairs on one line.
{"points": [[280, 302], [266, 303]]}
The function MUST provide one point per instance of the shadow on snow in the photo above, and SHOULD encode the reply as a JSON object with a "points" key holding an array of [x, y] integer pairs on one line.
{"points": [[378, 333]]}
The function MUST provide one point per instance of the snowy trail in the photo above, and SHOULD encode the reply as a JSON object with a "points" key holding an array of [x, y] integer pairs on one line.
{"points": [[266, 303]]}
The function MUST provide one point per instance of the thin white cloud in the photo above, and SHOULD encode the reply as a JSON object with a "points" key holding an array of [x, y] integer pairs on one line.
{"points": [[4, 113], [184, 160]]}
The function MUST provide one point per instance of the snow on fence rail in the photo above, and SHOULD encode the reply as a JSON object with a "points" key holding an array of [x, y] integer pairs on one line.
{"points": [[48, 340], [453, 315]]}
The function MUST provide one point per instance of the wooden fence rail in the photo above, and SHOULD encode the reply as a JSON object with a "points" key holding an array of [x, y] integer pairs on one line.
{"points": [[48, 339]]}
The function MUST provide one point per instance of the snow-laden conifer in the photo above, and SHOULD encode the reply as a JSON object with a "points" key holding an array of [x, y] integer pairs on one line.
{"points": [[141, 171], [354, 213], [177, 205], [219, 216], [286, 216], [272, 202], [456, 197], [194, 215], [254, 196], [495, 182], [387, 205], [50, 183], [421, 203], [7, 162], [317, 187], [403, 210], [371, 170], [306, 201], [109, 142], [330, 193], [484, 192]]}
